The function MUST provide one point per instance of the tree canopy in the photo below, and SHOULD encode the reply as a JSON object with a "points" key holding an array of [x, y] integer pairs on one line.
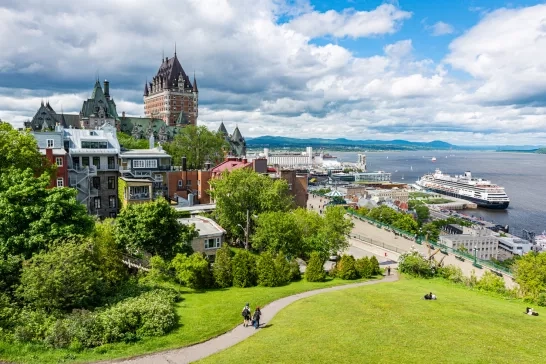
{"points": [[530, 274], [242, 190], [199, 145], [278, 232], [153, 227]]}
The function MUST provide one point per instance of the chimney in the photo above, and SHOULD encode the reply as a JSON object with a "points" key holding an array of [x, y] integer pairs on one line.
{"points": [[245, 161], [152, 141], [183, 164], [58, 127], [107, 89], [123, 114], [207, 166], [49, 154]]}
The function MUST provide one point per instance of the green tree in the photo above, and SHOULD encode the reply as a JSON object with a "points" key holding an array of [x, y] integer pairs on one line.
{"points": [[244, 190], [311, 225], [128, 142], [374, 263], [530, 274], [315, 268], [109, 254], [192, 271], [346, 267], [221, 269], [431, 231], [34, 216], [63, 278], [364, 267], [199, 145], [335, 230], [422, 212], [243, 267], [278, 232], [406, 222], [153, 227], [19, 150], [283, 269], [267, 272], [295, 272]]}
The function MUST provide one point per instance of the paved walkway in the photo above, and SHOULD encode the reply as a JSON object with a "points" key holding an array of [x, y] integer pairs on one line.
{"points": [[199, 351]]}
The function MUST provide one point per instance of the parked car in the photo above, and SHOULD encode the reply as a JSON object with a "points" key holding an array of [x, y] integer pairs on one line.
{"points": [[333, 258]]}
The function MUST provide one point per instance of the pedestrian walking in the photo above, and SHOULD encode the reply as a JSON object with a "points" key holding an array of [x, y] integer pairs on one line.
{"points": [[256, 317], [246, 315], [388, 270]]}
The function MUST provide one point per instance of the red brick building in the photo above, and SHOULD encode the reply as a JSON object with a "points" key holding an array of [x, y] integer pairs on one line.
{"points": [[171, 96], [51, 146]]}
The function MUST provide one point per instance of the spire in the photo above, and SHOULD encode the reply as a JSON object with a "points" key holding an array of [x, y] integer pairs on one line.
{"points": [[42, 102], [146, 92], [237, 135], [194, 83], [222, 129], [175, 49]]}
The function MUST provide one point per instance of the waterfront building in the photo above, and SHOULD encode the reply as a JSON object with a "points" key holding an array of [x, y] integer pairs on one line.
{"points": [[378, 176], [170, 96], [51, 146], [479, 241], [511, 246]]}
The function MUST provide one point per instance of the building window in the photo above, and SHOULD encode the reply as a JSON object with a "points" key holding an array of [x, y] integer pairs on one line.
{"points": [[50, 143], [85, 161], [188, 182], [96, 202], [112, 201], [199, 182], [60, 182], [96, 182], [59, 161], [139, 192], [180, 183], [149, 163], [111, 183], [96, 162], [113, 214], [212, 243], [111, 163]]}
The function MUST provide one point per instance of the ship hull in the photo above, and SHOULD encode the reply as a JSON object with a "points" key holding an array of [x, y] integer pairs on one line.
{"points": [[480, 203]]}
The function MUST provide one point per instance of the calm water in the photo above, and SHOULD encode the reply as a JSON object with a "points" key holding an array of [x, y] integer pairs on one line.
{"points": [[522, 175]]}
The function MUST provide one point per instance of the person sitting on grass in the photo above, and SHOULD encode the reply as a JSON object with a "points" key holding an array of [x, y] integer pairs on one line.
{"points": [[529, 311], [430, 296]]}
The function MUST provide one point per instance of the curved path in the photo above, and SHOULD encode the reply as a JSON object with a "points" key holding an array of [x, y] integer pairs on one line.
{"points": [[196, 352]]}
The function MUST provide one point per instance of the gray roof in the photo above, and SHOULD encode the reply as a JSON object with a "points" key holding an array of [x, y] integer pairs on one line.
{"points": [[42, 138], [145, 153], [205, 226], [97, 103]]}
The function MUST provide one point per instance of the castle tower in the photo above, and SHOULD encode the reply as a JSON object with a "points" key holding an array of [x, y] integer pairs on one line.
{"points": [[172, 97]]}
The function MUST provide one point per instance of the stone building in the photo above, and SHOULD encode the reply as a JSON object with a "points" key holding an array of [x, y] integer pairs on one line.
{"points": [[170, 96], [236, 141], [46, 119], [99, 109]]}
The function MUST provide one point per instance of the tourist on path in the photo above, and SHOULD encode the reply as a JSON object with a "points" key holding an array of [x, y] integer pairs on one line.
{"points": [[256, 317], [389, 271], [246, 315]]}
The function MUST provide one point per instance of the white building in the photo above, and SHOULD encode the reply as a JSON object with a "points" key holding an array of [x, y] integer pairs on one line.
{"points": [[480, 242], [508, 247], [307, 159]]}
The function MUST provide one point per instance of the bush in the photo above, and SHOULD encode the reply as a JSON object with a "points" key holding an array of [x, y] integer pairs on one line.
{"points": [[159, 269], [221, 270], [295, 272], [452, 273], [66, 277], [376, 269], [315, 268], [491, 282], [192, 271], [414, 264], [267, 273], [283, 269], [364, 267], [346, 268], [32, 325], [243, 268]]}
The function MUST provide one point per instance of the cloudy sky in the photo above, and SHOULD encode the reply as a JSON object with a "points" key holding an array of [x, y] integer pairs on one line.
{"points": [[463, 71]]}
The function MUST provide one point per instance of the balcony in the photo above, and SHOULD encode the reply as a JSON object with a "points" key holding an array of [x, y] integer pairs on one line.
{"points": [[139, 196]]}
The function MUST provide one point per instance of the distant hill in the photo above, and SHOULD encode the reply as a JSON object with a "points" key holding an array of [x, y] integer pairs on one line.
{"points": [[277, 141]]}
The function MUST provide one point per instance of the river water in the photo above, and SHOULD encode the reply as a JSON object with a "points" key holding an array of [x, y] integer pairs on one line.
{"points": [[523, 175]]}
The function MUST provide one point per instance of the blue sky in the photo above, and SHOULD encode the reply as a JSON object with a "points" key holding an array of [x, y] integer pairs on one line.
{"points": [[466, 72]]}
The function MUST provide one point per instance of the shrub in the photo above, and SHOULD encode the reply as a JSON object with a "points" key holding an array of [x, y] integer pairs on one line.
{"points": [[32, 325], [315, 268], [159, 270], [491, 282], [452, 273], [267, 273], [283, 269], [414, 264], [66, 277], [346, 268], [376, 269], [221, 269], [243, 268], [192, 271], [364, 267], [295, 272], [541, 299]]}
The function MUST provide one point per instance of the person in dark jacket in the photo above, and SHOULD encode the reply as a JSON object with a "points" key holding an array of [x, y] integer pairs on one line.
{"points": [[256, 317]]}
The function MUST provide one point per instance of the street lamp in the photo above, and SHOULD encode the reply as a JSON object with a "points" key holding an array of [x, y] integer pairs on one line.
{"points": [[246, 229], [475, 253]]}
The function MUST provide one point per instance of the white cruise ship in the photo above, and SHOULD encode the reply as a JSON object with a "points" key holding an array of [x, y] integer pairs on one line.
{"points": [[477, 190]]}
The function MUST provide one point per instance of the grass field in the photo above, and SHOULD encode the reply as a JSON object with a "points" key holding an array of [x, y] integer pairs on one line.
{"points": [[390, 323], [202, 315]]}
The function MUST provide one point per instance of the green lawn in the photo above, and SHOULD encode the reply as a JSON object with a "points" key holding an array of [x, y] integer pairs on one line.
{"points": [[202, 315], [390, 323]]}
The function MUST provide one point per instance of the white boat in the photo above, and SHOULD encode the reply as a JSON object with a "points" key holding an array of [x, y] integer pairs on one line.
{"points": [[433, 159], [411, 168]]}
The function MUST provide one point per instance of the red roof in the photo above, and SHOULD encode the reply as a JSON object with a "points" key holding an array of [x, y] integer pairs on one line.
{"points": [[230, 165], [271, 169]]}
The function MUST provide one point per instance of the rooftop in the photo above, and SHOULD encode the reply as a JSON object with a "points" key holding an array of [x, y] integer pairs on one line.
{"points": [[204, 225], [150, 153], [230, 165]]}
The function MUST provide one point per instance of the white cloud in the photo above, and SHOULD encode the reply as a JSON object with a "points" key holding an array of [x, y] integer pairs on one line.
{"points": [[385, 19], [440, 28]]}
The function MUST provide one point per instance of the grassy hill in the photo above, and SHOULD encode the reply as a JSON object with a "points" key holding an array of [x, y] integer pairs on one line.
{"points": [[390, 323]]}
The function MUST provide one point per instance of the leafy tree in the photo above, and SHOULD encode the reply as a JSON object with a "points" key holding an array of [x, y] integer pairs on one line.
{"points": [[244, 190], [283, 269], [160, 270], [64, 278], [295, 272], [315, 268], [19, 150], [431, 231], [192, 271], [335, 230], [127, 141], [311, 225], [33, 215], [530, 274], [243, 267], [108, 254], [364, 267], [422, 212], [267, 272], [491, 282], [10, 271], [153, 227], [414, 264], [406, 222], [278, 232], [221, 269], [374, 263], [199, 145], [346, 267]]}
